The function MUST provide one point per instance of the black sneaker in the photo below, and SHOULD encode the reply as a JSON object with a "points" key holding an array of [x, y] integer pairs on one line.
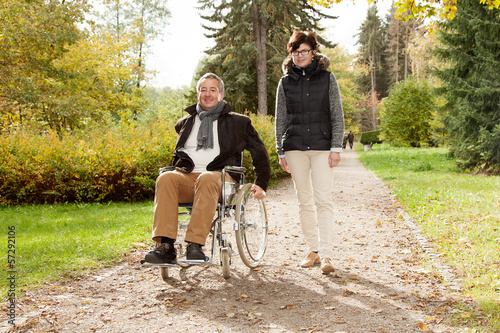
{"points": [[194, 252], [164, 253]]}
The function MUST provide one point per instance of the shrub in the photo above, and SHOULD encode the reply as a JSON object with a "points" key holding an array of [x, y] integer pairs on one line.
{"points": [[265, 127], [370, 137], [102, 164], [407, 114]]}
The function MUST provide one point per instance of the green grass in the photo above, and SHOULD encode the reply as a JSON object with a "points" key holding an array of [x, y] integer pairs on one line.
{"points": [[54, 242], [459, 213]]}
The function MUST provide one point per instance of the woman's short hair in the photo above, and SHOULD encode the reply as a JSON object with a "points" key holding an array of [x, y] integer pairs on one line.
{"points": [[301, 37], [210, 76]]}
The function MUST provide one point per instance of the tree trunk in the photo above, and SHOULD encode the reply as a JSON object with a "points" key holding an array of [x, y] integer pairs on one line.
{"points": [[397, 51], [407, 41], [373, 90], [260, 39]]}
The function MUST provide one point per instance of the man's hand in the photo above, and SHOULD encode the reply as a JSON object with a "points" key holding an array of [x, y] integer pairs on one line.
{"points": [[258, 192], [333, 159]]}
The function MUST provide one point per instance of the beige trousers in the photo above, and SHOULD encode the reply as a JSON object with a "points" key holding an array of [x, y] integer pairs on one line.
{"points": [[174, 187], [313, 180]]}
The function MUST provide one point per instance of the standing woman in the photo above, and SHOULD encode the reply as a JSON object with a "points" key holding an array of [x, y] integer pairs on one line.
{"points": [[309, 133]]}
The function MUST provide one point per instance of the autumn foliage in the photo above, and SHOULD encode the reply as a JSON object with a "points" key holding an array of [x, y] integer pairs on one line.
{"points": [[430, 9], [102, 164], [99, 165]]}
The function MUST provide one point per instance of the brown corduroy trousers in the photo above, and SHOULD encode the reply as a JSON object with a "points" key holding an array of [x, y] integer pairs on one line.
{"points": [[174, 187]]}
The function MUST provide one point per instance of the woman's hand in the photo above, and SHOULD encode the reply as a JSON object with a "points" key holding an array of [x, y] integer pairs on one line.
{"points": [[333, 159], [258, 192], [284, 165]]}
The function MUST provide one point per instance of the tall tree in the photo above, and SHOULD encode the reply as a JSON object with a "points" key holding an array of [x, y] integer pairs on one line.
{"points": [[472, 83], [399, 36], [138, 22], [371, 52], [346, 70], [34, 34], [148, 19], [251, 62], [421, 57]]}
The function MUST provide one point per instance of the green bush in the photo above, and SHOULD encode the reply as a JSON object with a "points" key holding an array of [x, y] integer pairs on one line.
{"points": [[407, 114], [370, 137], [99, 165], [103, 164], [265, 127]]}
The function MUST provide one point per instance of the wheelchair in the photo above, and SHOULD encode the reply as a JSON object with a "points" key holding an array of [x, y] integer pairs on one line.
{"points": [[240, 218]]}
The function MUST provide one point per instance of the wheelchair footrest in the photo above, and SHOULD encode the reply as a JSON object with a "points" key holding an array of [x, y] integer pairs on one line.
{"points": [[183, 262], [145, 263], [180, 263]]}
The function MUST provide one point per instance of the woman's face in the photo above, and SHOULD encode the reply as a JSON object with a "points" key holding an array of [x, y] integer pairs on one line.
{"points": [[303, 56]]}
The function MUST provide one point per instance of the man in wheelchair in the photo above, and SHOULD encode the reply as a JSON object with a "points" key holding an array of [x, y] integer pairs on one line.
{"points": [[208, 139]]}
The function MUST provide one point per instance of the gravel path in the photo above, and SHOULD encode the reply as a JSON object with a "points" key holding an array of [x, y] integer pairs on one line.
{"points": [[383, 280]]}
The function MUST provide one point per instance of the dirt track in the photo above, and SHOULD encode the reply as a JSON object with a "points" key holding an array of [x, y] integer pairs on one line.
{"points": [[382, 283]]}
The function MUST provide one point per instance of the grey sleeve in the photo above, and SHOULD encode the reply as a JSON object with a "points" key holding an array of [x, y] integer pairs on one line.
{"points": [[336, 115], [280, 118]]}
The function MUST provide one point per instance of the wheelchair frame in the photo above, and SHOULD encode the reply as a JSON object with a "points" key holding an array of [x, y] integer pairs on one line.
{"points": [[247, 216]]}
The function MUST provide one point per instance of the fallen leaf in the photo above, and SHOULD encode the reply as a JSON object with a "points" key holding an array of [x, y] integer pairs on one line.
{"points": [[347, 292], [422, 327]]}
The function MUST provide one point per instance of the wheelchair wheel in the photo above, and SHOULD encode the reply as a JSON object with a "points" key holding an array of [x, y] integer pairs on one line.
{"points": [[251, 227]]}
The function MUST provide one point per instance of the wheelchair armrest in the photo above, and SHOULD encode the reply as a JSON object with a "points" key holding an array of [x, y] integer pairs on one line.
{"points": [[165, 169], [236, 169]]}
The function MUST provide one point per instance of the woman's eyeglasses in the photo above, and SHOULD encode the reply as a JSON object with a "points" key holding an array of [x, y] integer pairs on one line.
{"points": [[303, 52]]}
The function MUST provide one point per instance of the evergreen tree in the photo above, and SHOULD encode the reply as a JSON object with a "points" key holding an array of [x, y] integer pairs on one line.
{"points": [[250, 45], [472, 83], [371, 40]]}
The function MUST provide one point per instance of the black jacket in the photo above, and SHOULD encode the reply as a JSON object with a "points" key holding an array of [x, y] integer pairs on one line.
{"points": [[236, 134]]}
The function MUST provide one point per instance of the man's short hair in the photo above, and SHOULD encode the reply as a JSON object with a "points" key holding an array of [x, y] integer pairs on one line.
{"points": [[211, 76]]}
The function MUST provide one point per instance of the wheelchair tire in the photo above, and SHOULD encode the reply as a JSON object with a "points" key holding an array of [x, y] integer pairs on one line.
{"points": [[164, 273], [251, 227], [225, 258]]}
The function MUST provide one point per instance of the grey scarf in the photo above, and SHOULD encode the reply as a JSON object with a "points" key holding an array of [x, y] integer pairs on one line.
{"points": [[206, 133]]}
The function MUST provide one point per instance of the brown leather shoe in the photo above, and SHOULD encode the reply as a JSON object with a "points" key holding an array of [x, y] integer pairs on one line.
{"points": [[326, 266], [311, 260]]}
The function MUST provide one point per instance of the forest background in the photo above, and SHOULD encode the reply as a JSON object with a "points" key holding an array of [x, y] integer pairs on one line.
{"points": [[79, 121]]}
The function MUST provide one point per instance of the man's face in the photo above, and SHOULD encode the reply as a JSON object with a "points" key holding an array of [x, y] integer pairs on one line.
{"points": [[209, 94]]}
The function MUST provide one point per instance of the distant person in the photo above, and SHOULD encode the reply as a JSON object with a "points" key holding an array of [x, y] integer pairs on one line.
{"points": [[309, 132], [344, 141], [350, 138], [208, 139]]}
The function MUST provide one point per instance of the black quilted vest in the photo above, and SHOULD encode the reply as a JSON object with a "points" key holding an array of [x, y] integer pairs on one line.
{"points": [[308, 107]]}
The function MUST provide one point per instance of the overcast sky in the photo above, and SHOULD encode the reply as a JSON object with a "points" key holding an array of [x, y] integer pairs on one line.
{"points": [[176, 56]]}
